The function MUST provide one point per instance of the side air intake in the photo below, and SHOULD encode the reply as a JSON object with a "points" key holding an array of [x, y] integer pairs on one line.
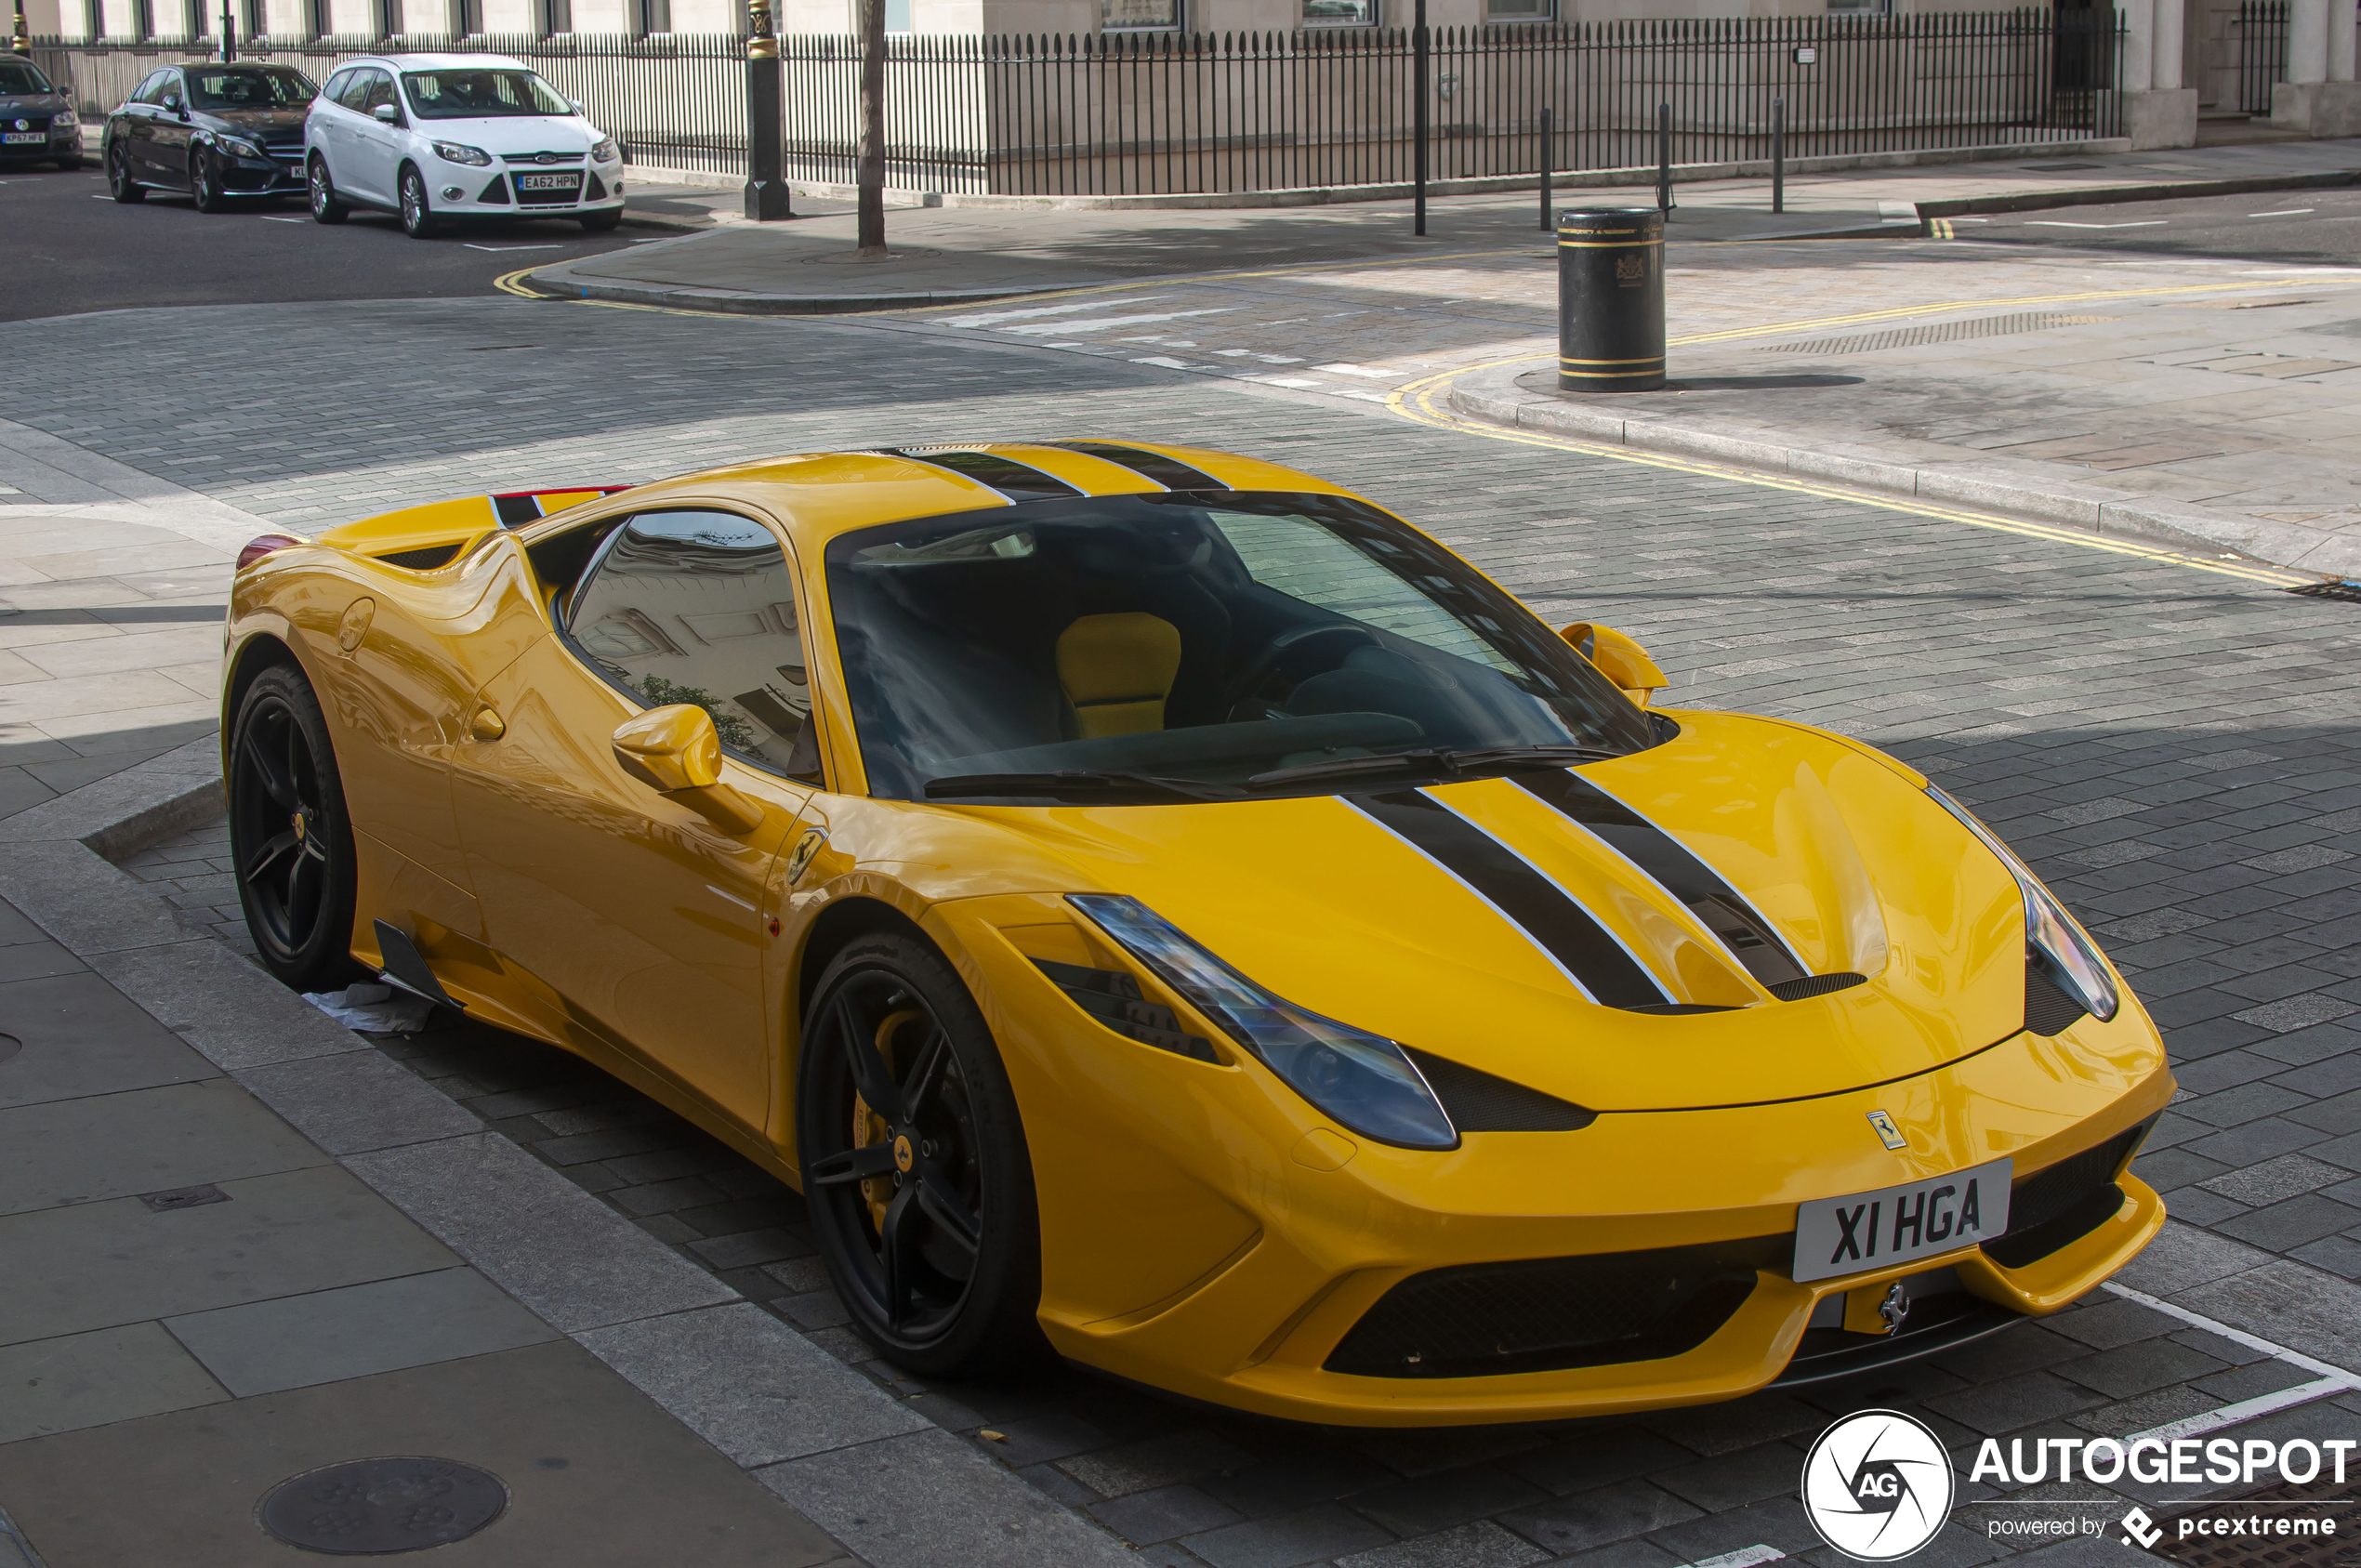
{"points": [[1478, 1101]]}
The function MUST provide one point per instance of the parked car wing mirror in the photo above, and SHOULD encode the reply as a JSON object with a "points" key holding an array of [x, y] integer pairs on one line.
{"points": [[388, 113], [676, 752], [1618, 658], [577, 106]]}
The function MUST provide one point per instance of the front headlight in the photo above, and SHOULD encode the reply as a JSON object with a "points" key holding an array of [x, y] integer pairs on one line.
{"points": [[238, 146], [604, 152], [64, 120], [1363, 1080], [2051, 937], [459, 152]]}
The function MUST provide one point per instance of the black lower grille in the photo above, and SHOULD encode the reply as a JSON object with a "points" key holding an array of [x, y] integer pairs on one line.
{"points": [[2065, 1202], [496, 193], [597, 192], [1545, 1314]]}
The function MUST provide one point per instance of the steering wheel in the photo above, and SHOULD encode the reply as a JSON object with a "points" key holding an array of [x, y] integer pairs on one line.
{"points": [[1289, 642]]}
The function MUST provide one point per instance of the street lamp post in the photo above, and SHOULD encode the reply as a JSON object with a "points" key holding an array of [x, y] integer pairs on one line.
{"points": [[766, 179], [21, 41], [1419, 48], [228, 35]]}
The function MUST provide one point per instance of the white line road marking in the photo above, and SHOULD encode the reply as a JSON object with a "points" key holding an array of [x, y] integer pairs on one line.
{"points": [[268, 218], [994, 318], [2247, 1410], [1354, 370], [2061, 223], [1160, 360], [2235, 1335], [1100, 323], [1745, 1557], [472, 246], [1285, 381], [2284, 212]]}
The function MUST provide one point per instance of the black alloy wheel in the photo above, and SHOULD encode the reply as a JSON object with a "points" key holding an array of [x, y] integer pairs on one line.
{"points": [[120, 185], [417, 217], [290, 838], [915, 1165], [204, 182], [322, 191]]}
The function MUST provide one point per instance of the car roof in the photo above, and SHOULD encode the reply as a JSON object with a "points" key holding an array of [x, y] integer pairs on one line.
{"points": [[817, 495], [441, 62]]}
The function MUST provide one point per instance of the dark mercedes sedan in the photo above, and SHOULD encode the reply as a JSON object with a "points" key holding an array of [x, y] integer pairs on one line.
{"points": [[36, 121], [219, 132]]}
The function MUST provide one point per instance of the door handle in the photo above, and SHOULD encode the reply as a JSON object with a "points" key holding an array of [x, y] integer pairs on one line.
{"points": [[487, 725]]}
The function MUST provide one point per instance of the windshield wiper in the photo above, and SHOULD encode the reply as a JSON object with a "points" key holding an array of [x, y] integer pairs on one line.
{"points": [[1436, 759], [1075, 781]]}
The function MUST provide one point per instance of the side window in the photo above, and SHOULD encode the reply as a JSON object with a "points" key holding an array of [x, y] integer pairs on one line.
{"points": [[168, 86], [380, 91], [355, 91], [699, 607], [151, 90], [333, 91]]}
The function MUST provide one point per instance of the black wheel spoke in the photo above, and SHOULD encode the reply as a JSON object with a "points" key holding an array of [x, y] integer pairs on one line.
{"points": [[920, 1082], [270, 852], [947, 1209], [281, 790], [869, 1075], [852, 1164], [898, 1243], [303, 898]]}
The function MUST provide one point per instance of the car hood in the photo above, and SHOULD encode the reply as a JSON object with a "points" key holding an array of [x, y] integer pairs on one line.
{"points": [[1320, 901], [32, 103], [258, 119], [517, 133]]}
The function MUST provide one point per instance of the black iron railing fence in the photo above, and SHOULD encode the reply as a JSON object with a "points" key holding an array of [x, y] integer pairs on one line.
{"points": [[1180, 113], [2262, 45]]}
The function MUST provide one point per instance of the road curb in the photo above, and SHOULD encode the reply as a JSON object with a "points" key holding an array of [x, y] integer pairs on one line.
{"points": [[439, 1164], [724, 302], [2093, 196], [1494, 399]]}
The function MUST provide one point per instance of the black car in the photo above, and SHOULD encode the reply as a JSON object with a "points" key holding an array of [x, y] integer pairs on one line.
{"points": [[216, 131], [36, 121]]}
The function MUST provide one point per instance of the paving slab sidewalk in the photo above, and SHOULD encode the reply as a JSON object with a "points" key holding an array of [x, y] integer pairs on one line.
{"points": [[952, 255]]}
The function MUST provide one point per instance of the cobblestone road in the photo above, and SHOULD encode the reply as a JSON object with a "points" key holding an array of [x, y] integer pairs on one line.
{"points": [[2175, 749]]}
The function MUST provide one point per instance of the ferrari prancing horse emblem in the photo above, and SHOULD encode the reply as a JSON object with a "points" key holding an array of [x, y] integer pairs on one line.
{"points": [[1888, 1134]]}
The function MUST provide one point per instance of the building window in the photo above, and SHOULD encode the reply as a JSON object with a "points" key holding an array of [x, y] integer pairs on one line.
{"points": [[1520, 10], [1139, 15], [557, 15], [651, 17], [1339, 13], [389, 18], [143, 19], [253, 17], [897, 16], [316, 13]]}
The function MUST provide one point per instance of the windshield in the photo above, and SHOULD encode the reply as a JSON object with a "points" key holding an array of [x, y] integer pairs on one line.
{"points": [[1186, 638], [17, 77], [249, 87], [478, 95]]}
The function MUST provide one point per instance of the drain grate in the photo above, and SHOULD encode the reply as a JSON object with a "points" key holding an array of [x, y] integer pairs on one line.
{"points": [[2346, 590], [1942, 331], [2256, 1550], [369, 1507], [184, 1197]]}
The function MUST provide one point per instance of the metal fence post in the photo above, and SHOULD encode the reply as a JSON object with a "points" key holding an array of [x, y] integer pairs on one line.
{"points": [[1418, 64], [766, 191], [1778, 154], [1548, 154], [1664, 159]]}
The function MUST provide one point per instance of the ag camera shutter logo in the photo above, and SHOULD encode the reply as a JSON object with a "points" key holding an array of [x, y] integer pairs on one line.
{"points": [[1876, 1485]]}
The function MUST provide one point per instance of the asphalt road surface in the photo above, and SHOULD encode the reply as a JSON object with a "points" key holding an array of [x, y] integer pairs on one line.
{"points": [[72, 249], [2311, 226]]}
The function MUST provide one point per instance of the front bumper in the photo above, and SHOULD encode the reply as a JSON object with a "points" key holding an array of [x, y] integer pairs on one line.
{"points": [[500, 192], [60, 144], [1205, 1231], [279, 175]]}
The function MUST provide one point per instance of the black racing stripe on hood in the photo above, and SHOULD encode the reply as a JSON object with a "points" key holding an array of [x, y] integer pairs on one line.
{"points": [[1169, 472], [1546, 913], [1678, 869], [1018, 481]]}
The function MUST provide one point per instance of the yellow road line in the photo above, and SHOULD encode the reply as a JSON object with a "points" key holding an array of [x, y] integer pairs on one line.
{"points": [[1417, 401]]}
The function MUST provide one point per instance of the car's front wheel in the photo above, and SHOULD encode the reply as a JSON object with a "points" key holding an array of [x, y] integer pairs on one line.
{"points": [[915, 1165], [205, 184], [290, 837], [417, 217], [120, 185], [322, 190]]}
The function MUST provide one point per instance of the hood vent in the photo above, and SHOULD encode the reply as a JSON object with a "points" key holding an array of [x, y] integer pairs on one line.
{"points": [[1477, 1102], [1814, 986]]}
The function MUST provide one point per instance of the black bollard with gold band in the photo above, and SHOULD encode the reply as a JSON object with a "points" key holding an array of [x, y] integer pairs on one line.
{"points": [[1611, 300]]}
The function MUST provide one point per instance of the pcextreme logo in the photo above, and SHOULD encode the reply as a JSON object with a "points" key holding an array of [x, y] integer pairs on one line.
{"points": [[1876, 1485]]}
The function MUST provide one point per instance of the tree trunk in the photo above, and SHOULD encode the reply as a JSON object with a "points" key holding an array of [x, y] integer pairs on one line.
{"points": [[870, 171]]}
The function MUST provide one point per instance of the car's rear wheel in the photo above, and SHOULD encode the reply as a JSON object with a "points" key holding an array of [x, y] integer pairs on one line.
{"points": [[322, 191], [915, 1165], [205, 184], [120, 185], [290, 837], [418, 216]]}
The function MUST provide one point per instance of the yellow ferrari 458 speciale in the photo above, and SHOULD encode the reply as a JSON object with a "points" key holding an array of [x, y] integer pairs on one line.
{"points": [[1160, 903]]}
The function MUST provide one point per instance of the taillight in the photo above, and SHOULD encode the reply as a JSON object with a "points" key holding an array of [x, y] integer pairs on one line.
{"points": [[265, 545]]}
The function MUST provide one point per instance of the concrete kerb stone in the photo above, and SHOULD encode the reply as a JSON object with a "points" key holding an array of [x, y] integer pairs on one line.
{"points": [[739, 1377], [1494, 398], [559, 284]]}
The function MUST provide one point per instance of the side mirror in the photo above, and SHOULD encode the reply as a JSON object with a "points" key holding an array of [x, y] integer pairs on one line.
{"points": [[674, 752], [1618, 658], [386, 113], [577, 107], [172, 102]]}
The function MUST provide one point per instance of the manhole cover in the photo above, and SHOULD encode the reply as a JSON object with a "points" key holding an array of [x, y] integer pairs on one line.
{"points": [[9, 1045], [366, 1507]]}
